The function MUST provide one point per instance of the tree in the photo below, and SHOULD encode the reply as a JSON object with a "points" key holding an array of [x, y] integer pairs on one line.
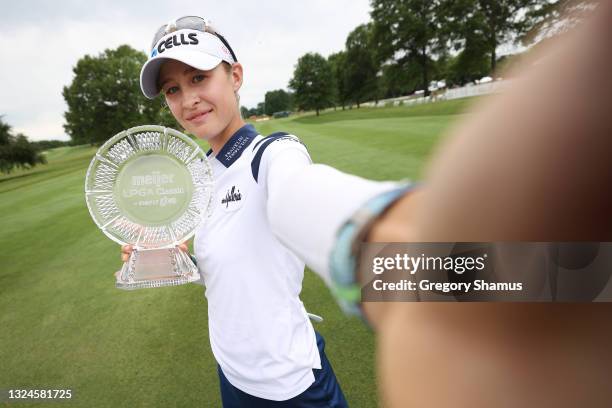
{"points": [[337, 63], [5, 132], [105, 98], [164, 117], [42, 145], [398, 80], [477, 27], [360, 67], [291, 101], [254, 111], [554, 17], [465, 27], [312, 82], [276, 101], [244, 112], [16, 150], [490, 23], [467, 66], [408, 32], [261, 108]]}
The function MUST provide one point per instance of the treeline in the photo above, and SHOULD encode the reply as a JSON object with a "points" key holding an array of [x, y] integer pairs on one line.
{"points": [[408, 44], [42, 145], [16, 151], [274, 102]]}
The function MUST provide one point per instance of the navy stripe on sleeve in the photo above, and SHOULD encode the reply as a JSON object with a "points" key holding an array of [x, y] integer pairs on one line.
{"points": [[275, 134], [256, 162]]}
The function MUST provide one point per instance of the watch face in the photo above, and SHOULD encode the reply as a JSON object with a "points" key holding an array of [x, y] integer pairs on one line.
{"points": [[149, 186]]}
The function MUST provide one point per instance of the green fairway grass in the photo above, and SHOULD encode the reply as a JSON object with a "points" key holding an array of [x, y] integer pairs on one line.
{"points": [[377, 143], [64, 325]]}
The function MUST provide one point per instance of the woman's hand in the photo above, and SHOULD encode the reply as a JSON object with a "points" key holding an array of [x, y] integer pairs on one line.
{"points": [[126, 250]]}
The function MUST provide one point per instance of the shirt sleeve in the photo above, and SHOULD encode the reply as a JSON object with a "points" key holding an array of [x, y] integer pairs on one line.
{"points": [[308, 203], [281, 160]]}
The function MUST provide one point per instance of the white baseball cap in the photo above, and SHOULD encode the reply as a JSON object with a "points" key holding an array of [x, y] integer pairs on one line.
{"points": [[199, 49]]}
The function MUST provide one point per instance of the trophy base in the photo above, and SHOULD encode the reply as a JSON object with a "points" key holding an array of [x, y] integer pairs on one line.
{"points": [[155, 268]]}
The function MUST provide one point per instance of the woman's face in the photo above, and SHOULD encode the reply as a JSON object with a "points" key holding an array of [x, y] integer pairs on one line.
{"points": [[203, 102]]}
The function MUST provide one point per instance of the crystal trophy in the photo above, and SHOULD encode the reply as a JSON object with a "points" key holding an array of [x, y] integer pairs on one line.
{"points": [[150, 186]]}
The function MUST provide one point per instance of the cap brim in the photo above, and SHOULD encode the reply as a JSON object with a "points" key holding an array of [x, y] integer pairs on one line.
{"points": [[150, 70]]}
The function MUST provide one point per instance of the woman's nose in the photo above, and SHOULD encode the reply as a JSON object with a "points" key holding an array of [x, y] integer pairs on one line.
{"points": [[191, 99]]}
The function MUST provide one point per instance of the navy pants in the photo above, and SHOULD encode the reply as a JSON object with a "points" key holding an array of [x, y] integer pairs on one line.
{"points": [[324, 392]]}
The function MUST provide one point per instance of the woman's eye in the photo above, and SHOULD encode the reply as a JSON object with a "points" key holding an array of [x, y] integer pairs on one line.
{"points": [[171, 90], [198, 78]]}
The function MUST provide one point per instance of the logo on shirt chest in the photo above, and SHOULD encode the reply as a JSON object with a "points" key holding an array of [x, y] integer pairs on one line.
{"points": [[232, 199]]}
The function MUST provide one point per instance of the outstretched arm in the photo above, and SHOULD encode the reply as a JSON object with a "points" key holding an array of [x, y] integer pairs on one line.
{"points": [[531, 164]]}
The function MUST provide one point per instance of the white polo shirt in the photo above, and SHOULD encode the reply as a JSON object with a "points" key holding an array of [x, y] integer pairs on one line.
{"points": [[259, 331]]}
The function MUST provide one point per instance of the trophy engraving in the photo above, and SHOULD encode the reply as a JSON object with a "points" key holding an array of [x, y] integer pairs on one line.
{"points": [[150, 187]]}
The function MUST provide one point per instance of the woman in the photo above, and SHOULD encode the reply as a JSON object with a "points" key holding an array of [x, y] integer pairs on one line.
{"points": [[267, 351], [531, 165]]}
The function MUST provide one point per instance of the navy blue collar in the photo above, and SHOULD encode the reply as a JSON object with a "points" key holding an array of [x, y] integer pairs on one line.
{"points": [[234, 147]]}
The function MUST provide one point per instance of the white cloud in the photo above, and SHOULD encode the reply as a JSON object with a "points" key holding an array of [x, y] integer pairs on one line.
{"points": [[42, 42], [43, 125]]}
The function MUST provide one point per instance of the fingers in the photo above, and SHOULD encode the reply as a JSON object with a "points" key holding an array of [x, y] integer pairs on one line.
{"points": [[126, 251]]}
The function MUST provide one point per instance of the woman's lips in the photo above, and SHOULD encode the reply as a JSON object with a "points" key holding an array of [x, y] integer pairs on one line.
{"points": [[199, 116]]}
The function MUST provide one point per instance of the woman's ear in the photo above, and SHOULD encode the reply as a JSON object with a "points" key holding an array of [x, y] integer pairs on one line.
{"points": [[237, 76]]}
